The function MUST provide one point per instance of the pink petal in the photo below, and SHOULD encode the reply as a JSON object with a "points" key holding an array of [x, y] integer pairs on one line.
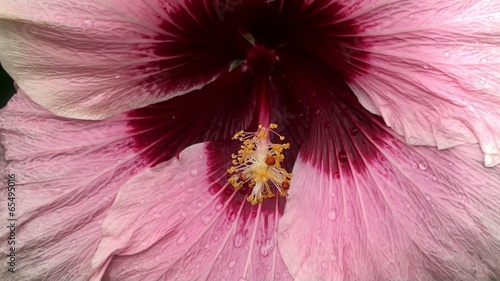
{"points": [[433, 71], [67, 175], [93, 59], [365, 206], [176, 222]]}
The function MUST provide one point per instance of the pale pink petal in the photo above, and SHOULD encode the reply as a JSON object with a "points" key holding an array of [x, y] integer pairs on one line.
{"points": [[181, 221], [380, 210], [67, 173], [432, 70], [92, 59]]}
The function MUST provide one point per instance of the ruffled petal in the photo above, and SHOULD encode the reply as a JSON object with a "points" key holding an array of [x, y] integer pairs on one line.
{"points": [[180, 221], [432, 70], [93, 59], [365, 206], [67, 173]]}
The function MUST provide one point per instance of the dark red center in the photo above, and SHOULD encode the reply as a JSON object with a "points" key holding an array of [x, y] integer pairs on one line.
{"points": [[286, 61]]}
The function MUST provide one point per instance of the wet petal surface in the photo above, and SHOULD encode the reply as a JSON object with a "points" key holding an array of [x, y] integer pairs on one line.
{"points": [[184, 214], [67, 174]]}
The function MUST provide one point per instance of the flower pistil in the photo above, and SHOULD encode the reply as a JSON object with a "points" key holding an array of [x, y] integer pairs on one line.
{"points": [[258, 165]]}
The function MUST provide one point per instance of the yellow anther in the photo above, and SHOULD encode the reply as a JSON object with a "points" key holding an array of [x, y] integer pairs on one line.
{"points": [[258, 164]]}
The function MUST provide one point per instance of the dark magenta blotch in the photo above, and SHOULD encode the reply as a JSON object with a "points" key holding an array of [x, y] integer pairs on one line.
{"points": [[296, 63]]}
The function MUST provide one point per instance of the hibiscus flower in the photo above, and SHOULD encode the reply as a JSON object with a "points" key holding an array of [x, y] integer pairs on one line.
{"points": [[252, 140]]}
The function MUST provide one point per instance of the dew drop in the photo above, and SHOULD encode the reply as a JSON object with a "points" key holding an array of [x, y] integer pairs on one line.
{"points": [[181, 239], [332, 215], [425, 66], [200, 204], [446, 54], [342, 156], [214, 188], [434, 178], [422, 165], [333, 257], [194, 172], [88, 23], [232, 216], [450, 164], [219, 206], [238, 240], [228, 191], [266, 248], [484, 60], [354, 131], [428, 197], [232, 263], [205, 219]]}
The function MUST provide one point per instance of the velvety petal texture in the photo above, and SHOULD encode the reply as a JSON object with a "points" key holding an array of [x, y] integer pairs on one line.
{"points": [[93, 59], [409, 213], [180, 221], [432, 70], [67, 174]]}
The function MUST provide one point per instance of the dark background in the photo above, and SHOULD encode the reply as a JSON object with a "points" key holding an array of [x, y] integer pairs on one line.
{"points": [[6, 87]]}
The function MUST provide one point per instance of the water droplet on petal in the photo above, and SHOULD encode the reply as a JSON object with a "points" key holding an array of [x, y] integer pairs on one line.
{"points": [[332, 215], [422, 165], [232, 263], [446, 54], [181, 239], [232, 216], [354, 131], [484, 60], [205, 219], [428, 197], [238, 240], [342, 156], [214, 188], [219, 206], [194, 172], [267, 247], [88, 23]]}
